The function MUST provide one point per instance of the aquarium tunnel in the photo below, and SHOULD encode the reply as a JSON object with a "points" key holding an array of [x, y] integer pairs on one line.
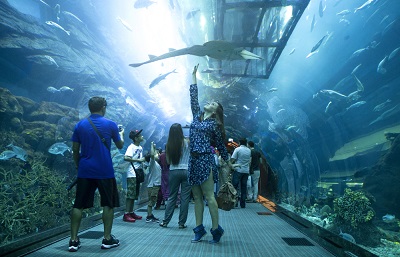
{"points": [[315, 84]]}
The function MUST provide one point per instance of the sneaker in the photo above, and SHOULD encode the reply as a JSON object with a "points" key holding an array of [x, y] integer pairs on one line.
{"points": [[74, 245], [112, 242], [182, 226], [152, 219], [128, 218], [163, 224], [136, 217]]}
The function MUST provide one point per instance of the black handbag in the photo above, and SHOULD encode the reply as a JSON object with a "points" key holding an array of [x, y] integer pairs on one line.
{"points": [[139, 174]]}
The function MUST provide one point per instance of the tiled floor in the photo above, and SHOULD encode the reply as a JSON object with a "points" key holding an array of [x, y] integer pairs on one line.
{"points": [[247, 233]]}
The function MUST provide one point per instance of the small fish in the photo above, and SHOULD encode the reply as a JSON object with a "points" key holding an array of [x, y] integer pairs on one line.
{"points": [[20, 153], [360, 86], [59, 148], [346, 236], [356, 69], [65, 88], [358, 104], [56, 25], [211, 70], [72, 15], [126, 24], [160, 78], [354, 96], [280, 110], [388, 218], [386, 114], [291, 52], [393, 53], [312, 23], [6, 155], [380, 68], [46, 4], [343, 13], [57, 12], [327, 107], [345, 21], [245, 107], [321, 9], [273, 89], [52, 89], [381, 106], [363, 6], [358, 52], [290, 127], [333, 94], [316, 47]]}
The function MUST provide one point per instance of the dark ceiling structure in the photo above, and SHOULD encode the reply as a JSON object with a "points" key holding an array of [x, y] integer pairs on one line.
{"points": [[262, 27]]}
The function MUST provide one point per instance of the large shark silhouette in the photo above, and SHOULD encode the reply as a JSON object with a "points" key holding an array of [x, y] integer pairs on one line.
{"points": [[220, 50]]}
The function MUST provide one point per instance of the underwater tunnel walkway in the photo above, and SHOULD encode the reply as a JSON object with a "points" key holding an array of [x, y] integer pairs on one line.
{"points": [[251, 231]]}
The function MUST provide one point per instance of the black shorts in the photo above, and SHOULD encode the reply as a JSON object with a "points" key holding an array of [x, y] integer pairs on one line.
{"points": [[86, 187]]}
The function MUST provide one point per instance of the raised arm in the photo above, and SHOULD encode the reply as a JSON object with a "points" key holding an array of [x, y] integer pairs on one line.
{"points": [[194, 95]]}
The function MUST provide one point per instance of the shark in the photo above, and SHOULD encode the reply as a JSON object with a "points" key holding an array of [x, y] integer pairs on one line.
{"points": [[159, 78], [220, 50]]}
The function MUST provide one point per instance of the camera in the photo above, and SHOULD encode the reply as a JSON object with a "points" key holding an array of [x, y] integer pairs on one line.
{"points": [[120, 128]]}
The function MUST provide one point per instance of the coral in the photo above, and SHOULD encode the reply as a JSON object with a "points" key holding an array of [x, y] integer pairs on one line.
{"points": [[353, 208]]}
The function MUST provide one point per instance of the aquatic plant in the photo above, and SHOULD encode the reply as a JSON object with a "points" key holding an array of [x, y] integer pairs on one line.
{"points": [[353, 207], [32, 199]]}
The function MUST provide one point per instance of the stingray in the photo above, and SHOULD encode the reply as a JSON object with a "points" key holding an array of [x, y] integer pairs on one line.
{"points": [[220, 50]]}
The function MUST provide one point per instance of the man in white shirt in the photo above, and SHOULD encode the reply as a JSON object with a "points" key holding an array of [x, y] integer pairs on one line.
{"points": [[242, 158]]}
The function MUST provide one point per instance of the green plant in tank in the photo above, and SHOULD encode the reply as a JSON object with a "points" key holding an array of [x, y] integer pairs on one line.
{"points": [[32, 199], [353, 207]]}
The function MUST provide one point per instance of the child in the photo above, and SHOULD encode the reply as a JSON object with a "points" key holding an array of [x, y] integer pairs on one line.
{"points": [[154, 182], [134, 155]]}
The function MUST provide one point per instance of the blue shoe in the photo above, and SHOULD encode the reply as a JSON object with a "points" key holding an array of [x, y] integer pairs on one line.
{"points": [[217, 234], [199, 232]]}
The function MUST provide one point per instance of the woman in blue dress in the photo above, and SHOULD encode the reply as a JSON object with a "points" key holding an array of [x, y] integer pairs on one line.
{"points": [[206, 131]]}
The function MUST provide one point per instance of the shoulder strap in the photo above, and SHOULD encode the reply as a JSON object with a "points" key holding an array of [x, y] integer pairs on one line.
{"points": [[103, 140]]}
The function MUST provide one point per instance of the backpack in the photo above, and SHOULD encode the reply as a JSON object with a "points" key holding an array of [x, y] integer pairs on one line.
{"points": [[226, 197]]}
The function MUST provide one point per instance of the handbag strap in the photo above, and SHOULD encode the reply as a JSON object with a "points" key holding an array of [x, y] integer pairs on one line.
{"points": [[133, 166], [103, 140]]}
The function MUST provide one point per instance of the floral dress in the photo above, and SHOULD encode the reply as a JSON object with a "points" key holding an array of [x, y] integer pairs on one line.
{"points": [[201, 160]]}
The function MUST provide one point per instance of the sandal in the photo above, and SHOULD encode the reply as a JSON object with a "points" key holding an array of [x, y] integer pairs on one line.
{"points": [[163, 224], [182, 226]]}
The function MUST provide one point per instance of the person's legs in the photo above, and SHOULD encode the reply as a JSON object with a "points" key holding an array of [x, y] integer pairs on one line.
{"points": [[185, 197], [250, 191], [208, 191], [198, 204], [235, 183], [153, 193], [84, 198], [108, 218], [76, 217], [256, 179], [130, 199], [173, 183], [109, 198], [243, 189]]}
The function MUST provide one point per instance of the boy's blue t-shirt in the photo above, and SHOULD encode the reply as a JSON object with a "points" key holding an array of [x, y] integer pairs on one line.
{"points": [[95, 159]]}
